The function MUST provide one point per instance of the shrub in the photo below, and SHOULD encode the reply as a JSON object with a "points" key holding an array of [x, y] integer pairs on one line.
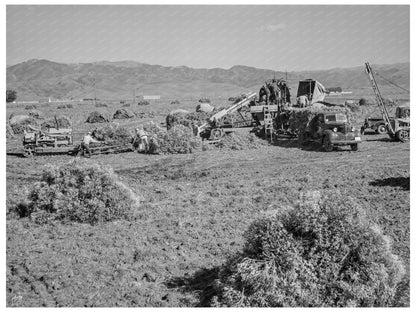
{"points": [[323, 252], [142, 103], [79, 191]]}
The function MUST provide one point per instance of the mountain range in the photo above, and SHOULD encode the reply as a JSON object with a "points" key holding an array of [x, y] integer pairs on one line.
{"points": [[35, 79]]}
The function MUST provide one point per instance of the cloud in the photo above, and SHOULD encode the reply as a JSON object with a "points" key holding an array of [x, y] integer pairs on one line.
{"points": [[272, 27]]}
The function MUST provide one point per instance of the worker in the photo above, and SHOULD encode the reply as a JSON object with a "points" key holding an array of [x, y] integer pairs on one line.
{"points": [[141, 137], [85, 144], [303, 101]]}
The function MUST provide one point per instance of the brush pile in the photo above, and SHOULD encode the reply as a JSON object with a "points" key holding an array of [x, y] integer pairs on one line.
{"points": [[179, 139], [123, 114], [56, 122], [240, 141], [323, 252], [185, 118], [18, 123], [97, 117], [113, 134], [79, 191]]}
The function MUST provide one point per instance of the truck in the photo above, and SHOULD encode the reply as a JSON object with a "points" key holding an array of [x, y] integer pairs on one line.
{"points": [[398, 128], [331, 129]]}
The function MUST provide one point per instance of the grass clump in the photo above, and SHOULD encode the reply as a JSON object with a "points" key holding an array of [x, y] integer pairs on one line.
{"points": [[79, 191], [321, 253]]}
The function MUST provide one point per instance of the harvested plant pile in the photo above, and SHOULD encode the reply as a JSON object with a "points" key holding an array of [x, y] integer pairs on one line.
{"points": [[297, 119], [123, 114], [177, 140], [57, 122], [239, 141], [113, 133], [100, 105], [186, 119], [79, 191], [36, 114], [97, 117], [143, 103], [323, 252], [18, 123]]}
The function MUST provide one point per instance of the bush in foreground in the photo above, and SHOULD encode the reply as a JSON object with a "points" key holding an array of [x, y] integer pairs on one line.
{"points": [[321, 253], [79, 191]]}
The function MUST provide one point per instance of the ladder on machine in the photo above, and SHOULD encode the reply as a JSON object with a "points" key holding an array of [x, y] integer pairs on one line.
{"points": [[268, 124]]}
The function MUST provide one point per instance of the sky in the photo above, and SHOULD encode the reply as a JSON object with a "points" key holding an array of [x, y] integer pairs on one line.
{"points": [[277, 37]]}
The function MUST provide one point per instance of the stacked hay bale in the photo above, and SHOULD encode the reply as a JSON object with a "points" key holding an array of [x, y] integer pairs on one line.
{"points": [[97, 117], [123, 114]]}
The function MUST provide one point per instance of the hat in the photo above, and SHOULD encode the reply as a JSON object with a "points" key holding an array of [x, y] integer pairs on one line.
{"points": [[89, 132]]}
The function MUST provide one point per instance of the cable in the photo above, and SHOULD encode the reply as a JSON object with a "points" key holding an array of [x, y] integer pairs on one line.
{"points": [[392, 83]]}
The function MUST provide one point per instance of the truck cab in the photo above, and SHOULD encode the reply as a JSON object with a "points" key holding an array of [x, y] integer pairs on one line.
{"points": [[332, 129], [401, 124]]}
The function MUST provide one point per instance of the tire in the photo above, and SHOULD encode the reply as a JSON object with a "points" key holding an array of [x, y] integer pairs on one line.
{"points": [[216, 134], [354, 147], [381, 129], [402, 135], [28, 152], [328, 147]]}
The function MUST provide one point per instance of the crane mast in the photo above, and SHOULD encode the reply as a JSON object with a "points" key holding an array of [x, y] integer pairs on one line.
{"points": [[379, 99]]}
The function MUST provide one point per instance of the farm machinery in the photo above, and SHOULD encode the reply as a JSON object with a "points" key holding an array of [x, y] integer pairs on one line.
{"points": [[61, 141], [320, 122], [397, 127], [218, 124]]}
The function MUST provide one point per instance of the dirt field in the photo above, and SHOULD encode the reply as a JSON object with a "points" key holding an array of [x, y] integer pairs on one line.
{"points": [[194, 211]]}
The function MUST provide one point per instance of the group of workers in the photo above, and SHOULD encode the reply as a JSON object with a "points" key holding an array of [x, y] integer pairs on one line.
{"points": [[140, 142], [275, 91]]}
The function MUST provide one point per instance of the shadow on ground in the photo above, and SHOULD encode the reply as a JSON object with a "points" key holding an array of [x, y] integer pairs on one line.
{"points": [[202, 283], [403, 182]]}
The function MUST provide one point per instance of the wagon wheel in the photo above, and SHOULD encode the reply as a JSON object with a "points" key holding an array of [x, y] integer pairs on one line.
{"points": [[402, 135], [216, 134], [28, 152], [328, 147]]}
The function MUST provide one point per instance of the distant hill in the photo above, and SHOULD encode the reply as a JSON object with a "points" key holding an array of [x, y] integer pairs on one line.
{"points": [[36, 79]]}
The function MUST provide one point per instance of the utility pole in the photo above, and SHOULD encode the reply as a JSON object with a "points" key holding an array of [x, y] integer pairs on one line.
{"points": [[286, 75]]}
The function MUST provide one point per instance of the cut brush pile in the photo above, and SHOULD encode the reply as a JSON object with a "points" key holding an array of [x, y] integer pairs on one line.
{"points": [[79, 191]]}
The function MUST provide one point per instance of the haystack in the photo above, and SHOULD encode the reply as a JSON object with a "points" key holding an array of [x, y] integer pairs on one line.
{"points": [[123, 114], [204, 108], [97, 117]]}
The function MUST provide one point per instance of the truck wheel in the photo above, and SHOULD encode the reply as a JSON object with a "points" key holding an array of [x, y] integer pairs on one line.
{"points": [[354, 147], [381, 129], [328, 147], [402, 135]]}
